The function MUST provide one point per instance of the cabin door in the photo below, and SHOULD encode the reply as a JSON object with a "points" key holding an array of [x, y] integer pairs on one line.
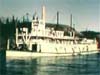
{"points": [[34, 48]]}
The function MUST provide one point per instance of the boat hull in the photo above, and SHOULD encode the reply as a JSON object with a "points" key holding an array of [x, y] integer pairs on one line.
{"points": [[11, 53]]}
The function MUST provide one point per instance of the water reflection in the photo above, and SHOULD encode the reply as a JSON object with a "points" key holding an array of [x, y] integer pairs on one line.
{"points": [[77, 65], [2, 62]]}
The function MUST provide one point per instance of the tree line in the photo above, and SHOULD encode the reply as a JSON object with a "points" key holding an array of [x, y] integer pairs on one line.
{"points": [[8, 28]]}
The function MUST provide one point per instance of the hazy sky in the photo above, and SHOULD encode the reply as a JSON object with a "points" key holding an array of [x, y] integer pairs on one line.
{"points": [[86, 13]]}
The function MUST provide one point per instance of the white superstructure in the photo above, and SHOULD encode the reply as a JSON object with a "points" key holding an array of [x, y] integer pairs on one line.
{"points": [[49, 40]]}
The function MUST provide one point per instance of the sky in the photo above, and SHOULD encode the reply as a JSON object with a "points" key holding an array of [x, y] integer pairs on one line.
{"points": [[86, 13]]}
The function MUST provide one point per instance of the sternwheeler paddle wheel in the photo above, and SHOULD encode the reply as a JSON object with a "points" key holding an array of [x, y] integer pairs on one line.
{"points": [[24, 39]]}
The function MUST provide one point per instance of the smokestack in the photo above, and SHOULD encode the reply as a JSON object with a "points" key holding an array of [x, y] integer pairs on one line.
{"points": [[71, 32], [57, 17], [43, 14], [71, 20]]}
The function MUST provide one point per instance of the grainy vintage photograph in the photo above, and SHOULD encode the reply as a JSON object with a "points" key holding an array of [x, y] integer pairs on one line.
{"points": [[49, 37]]}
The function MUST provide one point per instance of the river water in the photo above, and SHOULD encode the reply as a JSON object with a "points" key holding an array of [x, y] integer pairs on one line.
{"points": [[72, 65]]}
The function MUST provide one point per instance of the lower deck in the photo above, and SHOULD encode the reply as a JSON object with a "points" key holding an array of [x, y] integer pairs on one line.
{"points": [[58, 48]]}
